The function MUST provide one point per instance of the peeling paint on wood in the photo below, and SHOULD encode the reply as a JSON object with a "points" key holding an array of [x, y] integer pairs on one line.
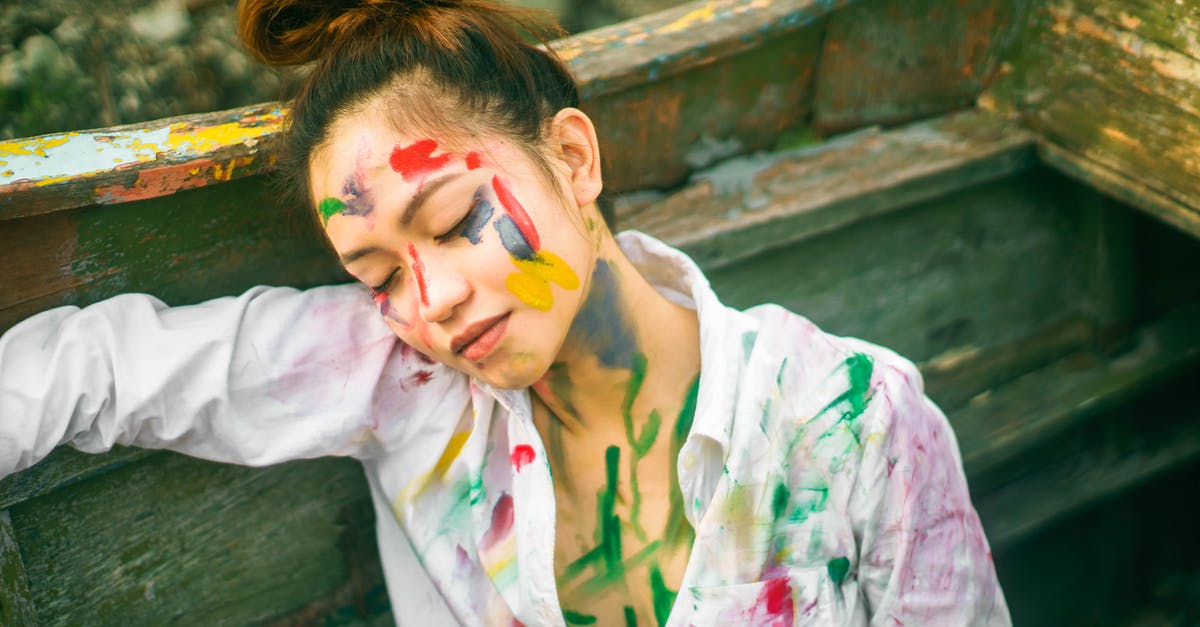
{"points": [[1117, 85]]}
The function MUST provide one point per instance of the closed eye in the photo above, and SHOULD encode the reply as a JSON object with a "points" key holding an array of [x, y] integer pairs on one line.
{"points": [[387, 283]]}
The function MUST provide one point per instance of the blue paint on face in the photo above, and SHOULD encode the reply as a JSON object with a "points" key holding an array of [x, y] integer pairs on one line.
{"points": [[481, 212], [600, 323], [358, 199], [512, 238]]}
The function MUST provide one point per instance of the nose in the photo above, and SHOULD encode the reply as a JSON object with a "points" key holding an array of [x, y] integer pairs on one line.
{"points": [[441, 287]]}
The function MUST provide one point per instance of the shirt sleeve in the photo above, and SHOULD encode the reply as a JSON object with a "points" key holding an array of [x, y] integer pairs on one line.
{"points": [[924, 559], [271, 375]]}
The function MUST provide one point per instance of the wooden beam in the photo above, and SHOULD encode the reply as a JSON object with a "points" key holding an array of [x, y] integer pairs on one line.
{"points": [[1114, 88], [16, 605], [749, 205], [692, 45]]}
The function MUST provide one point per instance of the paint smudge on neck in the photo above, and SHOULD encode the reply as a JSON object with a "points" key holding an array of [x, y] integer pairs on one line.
{"points": [[416, 161], [600, 324], [418, 268]]}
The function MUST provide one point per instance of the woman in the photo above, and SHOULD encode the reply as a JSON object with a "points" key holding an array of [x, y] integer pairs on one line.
{"points": [[583, 433]]}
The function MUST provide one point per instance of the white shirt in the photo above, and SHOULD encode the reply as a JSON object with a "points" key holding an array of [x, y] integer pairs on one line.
{"points": [[823, 486]]}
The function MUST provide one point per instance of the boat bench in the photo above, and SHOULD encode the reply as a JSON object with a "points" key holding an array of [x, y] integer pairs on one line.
{"points": [[972, 203]]}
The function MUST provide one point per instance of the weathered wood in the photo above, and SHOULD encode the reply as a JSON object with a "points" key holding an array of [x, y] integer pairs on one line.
{"points": [[1003, 423], [61, 468], [204, 243], [16, 604], [886, 62], [1117, 85], [746, 206], [67, 170], [178, 539], [1125, 450]]}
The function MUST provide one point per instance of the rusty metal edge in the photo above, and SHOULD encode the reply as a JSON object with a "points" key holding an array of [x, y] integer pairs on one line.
{"points": [[246, 141]]}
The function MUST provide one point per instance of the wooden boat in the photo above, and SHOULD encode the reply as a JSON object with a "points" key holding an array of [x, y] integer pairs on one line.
{"points": [[1007, 192]]}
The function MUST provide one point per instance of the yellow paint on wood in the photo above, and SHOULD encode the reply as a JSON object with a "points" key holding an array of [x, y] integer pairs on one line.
{"points": [[703, 14]]}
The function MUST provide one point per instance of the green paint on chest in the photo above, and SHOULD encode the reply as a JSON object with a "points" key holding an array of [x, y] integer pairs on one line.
{"points": [[663, 596], [578, 618]]}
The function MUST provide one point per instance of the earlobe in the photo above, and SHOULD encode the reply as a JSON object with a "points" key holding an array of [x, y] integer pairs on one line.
{"points": [[574, 140]]}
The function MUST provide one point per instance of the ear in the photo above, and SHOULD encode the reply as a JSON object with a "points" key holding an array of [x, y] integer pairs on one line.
{"points": [[573, 140]]}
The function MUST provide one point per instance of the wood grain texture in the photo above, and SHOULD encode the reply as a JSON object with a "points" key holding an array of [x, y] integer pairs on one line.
{"points": [[121, 164], [886, 62], [16, 604], [1117, 86], [179, 540]]}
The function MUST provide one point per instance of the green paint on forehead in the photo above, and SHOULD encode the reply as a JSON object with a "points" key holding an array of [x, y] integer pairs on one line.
{"points": [[330, 207]]}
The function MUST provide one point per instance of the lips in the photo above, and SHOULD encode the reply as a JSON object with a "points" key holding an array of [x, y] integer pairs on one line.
{"points": [[478, 340]]}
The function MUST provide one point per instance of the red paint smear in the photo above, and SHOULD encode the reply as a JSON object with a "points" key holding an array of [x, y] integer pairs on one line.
{"points": [[473, 160], [419, 272], [517, 213], [415, 161], [775, 602], [521, 454], [421, 377], [502, 523]]}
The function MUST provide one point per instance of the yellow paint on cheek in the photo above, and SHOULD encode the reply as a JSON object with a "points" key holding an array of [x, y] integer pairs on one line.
{"points": [[532, 291], [532, 283]]}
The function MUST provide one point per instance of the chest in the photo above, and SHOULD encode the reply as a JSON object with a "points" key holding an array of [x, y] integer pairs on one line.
{"points": [[621, 544]]}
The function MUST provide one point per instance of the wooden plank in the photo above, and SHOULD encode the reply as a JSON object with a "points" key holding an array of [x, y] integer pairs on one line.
{"points": [[887, 62], [1129, 447], [16, 604], [746, 206], [204, 243], [64, 467], [106, 166], [657, 133], [178, 539], [1001, 424], [1116, 85]]}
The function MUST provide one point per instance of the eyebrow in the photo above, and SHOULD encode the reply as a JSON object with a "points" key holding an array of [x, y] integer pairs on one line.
{"points": [[424, 193]]}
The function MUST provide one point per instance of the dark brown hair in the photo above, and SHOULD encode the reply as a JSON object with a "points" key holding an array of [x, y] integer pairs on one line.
{"points": [[420, 56]]}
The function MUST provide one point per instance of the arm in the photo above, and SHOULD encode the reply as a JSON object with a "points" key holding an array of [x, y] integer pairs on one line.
{"points": [[271, 375], [924, 559]]}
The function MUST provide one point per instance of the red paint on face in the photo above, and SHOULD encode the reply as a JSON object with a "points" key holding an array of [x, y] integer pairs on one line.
{"points": [[473, 160], [419, 272], [385, 307], [502, 523], [515, 211], [416, 161], [521, 454]]}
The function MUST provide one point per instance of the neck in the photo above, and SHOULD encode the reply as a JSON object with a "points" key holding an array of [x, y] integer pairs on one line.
{"points": [[630, 351]]}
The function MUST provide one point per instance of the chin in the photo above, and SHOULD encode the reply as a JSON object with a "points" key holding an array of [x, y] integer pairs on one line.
{"points": [[515, 372]]}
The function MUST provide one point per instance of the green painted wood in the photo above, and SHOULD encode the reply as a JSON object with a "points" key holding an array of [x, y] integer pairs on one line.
{"points": [[1004, 423], [63, 467], [173, 539], [16, 604], [886, 61], [1115, 86]]}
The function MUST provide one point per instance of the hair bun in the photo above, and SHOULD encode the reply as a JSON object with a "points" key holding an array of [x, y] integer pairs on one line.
{"points": [[296, 32]]}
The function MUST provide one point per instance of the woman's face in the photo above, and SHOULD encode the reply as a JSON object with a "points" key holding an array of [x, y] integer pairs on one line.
{"points": [[472, 257]]}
